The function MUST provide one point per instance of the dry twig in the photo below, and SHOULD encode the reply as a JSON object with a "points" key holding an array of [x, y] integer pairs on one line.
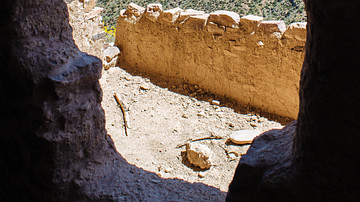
{"points": [[122, 110], [199, 139]]}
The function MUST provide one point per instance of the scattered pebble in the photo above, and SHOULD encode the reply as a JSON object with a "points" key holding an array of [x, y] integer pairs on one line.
{"points": [[144, 87], [185, 116], [201, 114], [253, 124], [232, 156], [168, 170], [201, 175], [215, 102]]}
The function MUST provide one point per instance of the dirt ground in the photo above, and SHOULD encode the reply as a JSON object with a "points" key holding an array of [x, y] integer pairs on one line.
{"points": [[162, 115]]}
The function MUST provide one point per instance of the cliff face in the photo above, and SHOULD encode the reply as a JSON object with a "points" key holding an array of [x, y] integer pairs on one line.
{"points": [[252, 61], [54, 123]]}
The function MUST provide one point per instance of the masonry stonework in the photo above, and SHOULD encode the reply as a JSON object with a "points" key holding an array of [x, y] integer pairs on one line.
{"points": [[255, 62]]}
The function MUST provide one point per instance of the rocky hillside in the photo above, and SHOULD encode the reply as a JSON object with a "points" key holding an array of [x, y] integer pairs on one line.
{"points": [[287, 10]]}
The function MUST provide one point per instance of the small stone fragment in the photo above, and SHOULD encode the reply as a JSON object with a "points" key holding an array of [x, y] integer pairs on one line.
{"points": [[215, 102], [144, 87], [201, 114], [185, 116], [201, 175], [232, 156], [199, 155], [244, 136], [168, 170], [253, 124], [108, 65]]}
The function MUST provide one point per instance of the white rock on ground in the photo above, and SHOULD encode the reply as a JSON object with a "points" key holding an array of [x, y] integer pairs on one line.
{"points": [[199, 155], [244, 136], [110, 53], [110, 57]]}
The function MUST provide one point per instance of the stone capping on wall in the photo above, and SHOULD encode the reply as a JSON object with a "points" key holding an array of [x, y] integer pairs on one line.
{"points": [[177, 16], [219, 34]]}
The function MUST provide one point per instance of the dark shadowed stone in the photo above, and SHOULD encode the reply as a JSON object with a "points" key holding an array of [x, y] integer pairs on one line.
{"points": [[267, 163], [323, 164], [50, 98]]}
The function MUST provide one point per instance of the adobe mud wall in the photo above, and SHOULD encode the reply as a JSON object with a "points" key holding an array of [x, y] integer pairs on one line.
{"points": [[252, 61]]}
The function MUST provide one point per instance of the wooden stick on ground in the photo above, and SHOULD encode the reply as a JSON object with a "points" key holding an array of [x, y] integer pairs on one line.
{"points": [[122, 110], [199, 139]]}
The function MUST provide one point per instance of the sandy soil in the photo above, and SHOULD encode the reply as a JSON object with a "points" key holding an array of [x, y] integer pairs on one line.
{"points": [[162, 115]]}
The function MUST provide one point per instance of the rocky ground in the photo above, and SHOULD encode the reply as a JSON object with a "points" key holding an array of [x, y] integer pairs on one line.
{"points": [[163, 115]]}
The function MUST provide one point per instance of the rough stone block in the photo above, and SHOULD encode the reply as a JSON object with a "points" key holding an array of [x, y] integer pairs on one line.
{"points": [[199, 155], [153, 11], [296, 31], [110, 53], [266, 163], [196, 22], [226, 18], [122, 13], [94, 13], [108, 65], [88, 4], [272, 26], [215, 29], [170, 15], [187, 13], [134, 10], [250, 23]]}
